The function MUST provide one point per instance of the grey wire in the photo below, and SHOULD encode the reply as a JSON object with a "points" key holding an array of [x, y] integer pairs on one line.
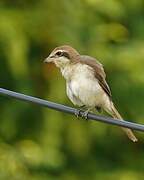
{"points": [[70, 110]]}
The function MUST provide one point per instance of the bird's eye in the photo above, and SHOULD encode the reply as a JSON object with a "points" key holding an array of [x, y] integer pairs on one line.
{"points": [[59, 53]]}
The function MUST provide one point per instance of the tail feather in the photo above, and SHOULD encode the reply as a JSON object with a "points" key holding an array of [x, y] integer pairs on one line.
{"points": [[128, 131]]}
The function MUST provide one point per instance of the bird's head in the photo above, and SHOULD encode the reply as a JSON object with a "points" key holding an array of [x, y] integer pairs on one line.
{"points": [[62, 56]]}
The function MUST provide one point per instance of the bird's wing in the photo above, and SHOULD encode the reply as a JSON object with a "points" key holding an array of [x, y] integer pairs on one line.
{"points": [[98, 70]]}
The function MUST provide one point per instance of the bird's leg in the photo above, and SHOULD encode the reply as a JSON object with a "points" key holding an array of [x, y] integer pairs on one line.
{"points": [[77, 113], [99, 109], [85, 114]]}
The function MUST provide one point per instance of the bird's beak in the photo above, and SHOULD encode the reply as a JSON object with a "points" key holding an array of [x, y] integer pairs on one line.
{"points": [[49, 59]]}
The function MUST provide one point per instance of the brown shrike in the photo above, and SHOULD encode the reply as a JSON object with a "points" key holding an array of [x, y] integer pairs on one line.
{"points": [[85, 81]]}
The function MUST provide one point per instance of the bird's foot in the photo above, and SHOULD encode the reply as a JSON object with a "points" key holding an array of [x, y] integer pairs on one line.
{"points": [[85, 115], [78, 111]]}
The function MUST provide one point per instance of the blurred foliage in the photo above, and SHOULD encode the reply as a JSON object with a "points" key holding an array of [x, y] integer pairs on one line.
{"points": [[37, 143]]}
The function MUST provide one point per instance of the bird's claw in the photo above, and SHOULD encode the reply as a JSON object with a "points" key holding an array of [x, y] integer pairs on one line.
{"points": [[77, 113], [85, 115]]}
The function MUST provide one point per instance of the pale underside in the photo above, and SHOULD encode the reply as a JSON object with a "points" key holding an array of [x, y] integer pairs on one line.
{"points": [[83, 88]]}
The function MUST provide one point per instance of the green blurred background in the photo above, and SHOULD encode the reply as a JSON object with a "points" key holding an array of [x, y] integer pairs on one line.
{"points": [[37, 143]]}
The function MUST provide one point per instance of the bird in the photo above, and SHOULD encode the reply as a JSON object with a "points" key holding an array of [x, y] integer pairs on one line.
{"points": [[86, 84]]}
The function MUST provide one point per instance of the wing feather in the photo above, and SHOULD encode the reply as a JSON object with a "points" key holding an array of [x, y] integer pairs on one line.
{"points": [[98, 70]]}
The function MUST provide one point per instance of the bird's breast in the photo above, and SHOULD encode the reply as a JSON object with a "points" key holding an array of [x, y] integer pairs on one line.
{"points": [[85, 87]]}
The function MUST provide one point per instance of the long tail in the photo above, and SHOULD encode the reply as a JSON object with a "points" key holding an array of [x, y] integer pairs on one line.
{"points": [[128, 131]]}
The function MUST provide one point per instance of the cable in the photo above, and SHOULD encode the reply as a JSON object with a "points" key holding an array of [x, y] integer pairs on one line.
{"points": [[70, 110]]}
